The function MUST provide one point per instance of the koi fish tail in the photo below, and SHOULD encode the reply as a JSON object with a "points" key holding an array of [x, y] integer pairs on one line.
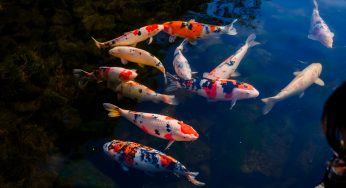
{"points": [[269, 103], [181, 46], [250, 41], [114, 111], [191, 176], [229, 29], [315, 4], [98, 44], [165, 77], [173, 83], [82, 76], [169, 99]]}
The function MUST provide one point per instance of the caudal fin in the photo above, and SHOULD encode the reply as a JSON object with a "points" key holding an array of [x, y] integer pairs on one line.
{"points": [[191, 176], [250, 41], [315, 4], [98, 44], [114, 111], [269, 103], [230, 30], [173, 83], [169, 99], [82, 76]]}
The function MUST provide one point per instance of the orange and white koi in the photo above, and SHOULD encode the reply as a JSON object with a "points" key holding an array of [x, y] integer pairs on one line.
{"points": [[319, 30], [228, 67], [131, 154], [193, 30], [180, 63], [133, 37], [214, 90], [135, 90], [111, 74], [139, 56], [303, 80], [157, 125]]}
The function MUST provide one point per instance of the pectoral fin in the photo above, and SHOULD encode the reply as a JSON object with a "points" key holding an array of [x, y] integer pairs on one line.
{"points": [[312, 37], [233, 103], [150, 40], [141, 65], [193, 73], [301, 95], [134, 45], [296, 73], [235, 74], [169, 144], [124, 61], [320, 82]]}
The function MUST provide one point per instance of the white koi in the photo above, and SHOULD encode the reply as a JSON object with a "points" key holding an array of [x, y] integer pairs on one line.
{"points": [[181, 64], [319, 30], [302, 81]]}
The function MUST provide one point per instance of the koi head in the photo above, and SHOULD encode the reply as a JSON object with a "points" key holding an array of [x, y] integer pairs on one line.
{"points": [[245, 91], [118, 51], [113, 147], [187, 133], [127, 75], [317, 68]]}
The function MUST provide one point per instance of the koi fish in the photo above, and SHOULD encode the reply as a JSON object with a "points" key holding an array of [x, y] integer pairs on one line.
{"points": [[180, 63], [139, 56], [157, 125], [133, 37], [214, 90], [319, 30], [302, 81], [111, 74], [131, 154], [193, 30], [135, 90], [228, 67]]}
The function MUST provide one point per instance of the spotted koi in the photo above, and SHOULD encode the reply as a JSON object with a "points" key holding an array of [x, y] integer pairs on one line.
{"points": [[139, 56], [193, 30], [131, 154], [157, 125], [110, 74], [214, 90], [133, 37]]}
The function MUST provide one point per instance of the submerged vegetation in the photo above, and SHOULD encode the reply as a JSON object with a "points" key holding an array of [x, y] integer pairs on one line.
{"points": [[43, 113]]}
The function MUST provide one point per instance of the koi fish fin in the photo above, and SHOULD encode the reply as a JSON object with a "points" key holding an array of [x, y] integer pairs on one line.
{"points": [[301, 95], [315, 4], [171, 39], [169, 99], [297, 73], [82, 76], [229, 29], [165, 78], [192, 20], [207, 75], [114, 111], [250, 41], [97, 43], [233, 103], [150, 40], [193, 73], [169, 144], [191, 176], [235, 74], [123, 61], [141, 65], [173, 83], [124, 167], [319, 82], [312, 37], [269, 103], [193, 42], [133, 45]]}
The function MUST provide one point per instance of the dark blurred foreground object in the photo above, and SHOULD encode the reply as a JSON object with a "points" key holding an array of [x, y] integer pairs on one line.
{"points": [[334, 127]]}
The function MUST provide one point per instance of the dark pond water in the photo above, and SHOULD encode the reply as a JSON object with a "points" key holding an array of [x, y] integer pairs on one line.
{"points": [[239, 147]]}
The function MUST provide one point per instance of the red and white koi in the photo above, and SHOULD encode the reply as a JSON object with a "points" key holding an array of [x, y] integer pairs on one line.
{"points": [[139, 56], [135, 90], [302, 81], [214, 90], [111, 74], [193, 30], [133, 37], [319, 30], [181, 64], [228, 67], [157, 125], [131, 154]]}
